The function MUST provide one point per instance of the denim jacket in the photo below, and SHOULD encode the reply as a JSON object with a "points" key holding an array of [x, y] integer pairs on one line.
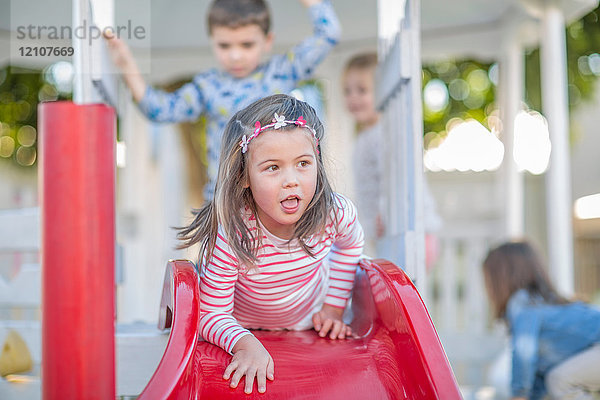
{"points": [[543, 335]]}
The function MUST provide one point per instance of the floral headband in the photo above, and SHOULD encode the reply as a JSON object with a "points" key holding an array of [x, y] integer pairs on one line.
{"points": [[278, 122]]}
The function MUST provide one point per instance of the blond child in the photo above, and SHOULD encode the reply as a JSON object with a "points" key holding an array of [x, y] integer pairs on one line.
{"points": [[367, 158]]}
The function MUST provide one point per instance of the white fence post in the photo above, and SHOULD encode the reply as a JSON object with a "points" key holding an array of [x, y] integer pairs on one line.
{"points": [[399, 98]]}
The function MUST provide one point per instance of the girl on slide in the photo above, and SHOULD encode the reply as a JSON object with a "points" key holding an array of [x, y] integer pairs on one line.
{"points": [[278, 248]]}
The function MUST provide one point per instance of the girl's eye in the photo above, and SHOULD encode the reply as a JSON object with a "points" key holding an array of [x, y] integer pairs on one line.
{"points": [[248, 45], [272, 168], [304, 163]]}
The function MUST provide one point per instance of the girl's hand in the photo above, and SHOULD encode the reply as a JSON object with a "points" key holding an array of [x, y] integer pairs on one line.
{"points": [[330, 319], [250, 359]]}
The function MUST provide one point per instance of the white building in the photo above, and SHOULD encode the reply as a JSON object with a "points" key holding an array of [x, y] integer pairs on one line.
{"points": [[154, 190]]}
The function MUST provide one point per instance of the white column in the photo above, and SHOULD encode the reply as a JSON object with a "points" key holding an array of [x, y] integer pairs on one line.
{"points": [[511, 87], [83, 90], [558, 183], [91, 62], [416, 131]]}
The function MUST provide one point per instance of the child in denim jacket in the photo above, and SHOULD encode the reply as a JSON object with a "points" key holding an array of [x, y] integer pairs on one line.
{"points": [[556, 342]]}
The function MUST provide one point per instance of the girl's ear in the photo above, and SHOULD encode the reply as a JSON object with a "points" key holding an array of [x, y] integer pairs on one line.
{"points": [[245, 183]]}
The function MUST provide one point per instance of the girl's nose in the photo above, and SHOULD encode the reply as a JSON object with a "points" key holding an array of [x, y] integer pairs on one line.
{"points": [[290, 180]]}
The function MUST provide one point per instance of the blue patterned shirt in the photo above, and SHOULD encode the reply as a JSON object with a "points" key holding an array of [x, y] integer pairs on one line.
{"points": [[219, 95]]}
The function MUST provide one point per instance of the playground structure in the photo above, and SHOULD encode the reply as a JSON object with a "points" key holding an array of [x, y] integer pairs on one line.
{"points": [[475, 243], [396, 355]]}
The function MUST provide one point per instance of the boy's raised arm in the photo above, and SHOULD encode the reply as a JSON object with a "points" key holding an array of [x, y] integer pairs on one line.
{"points": [[123, 59], [300, 62], [185, 104]]}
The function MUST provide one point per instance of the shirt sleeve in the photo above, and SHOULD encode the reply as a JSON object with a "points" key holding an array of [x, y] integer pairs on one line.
{"points": [[525, 325], [345, 253], [217, 285], [299, 63], [184, 104]]}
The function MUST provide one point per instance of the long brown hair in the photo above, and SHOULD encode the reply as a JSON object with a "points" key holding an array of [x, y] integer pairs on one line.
{"points": [[232, 197], [513, 266]]}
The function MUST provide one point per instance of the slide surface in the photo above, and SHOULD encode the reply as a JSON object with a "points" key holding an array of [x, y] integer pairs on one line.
{"points": [[397, 355]]}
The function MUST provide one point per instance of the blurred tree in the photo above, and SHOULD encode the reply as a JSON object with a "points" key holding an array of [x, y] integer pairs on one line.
{"points": [[456, 89], [468, 95], [583, 63], [21, 90]]}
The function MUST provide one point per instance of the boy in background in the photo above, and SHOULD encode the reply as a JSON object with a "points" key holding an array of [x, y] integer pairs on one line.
{"points": [[240, 36]]}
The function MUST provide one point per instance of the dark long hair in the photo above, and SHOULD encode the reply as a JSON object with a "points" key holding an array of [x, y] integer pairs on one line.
{"points": [[513, 266]]}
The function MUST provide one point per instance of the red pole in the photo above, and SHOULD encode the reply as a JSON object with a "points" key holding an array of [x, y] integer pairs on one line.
{"points": [[77, 178]]}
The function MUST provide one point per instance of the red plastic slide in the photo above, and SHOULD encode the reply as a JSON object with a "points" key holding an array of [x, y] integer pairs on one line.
{"points": [[398, 354]]}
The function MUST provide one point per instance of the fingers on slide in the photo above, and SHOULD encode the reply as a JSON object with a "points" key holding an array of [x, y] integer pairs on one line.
{"points": [[336, 328], [250, 371]]}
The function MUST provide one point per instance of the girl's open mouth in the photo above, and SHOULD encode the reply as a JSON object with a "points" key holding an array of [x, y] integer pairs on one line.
{"points": [[290, 205]]}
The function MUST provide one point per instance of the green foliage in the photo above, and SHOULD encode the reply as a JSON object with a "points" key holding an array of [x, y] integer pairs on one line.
{"points": [[469, 89], [21, 90], [583, 69], [583, 41]]}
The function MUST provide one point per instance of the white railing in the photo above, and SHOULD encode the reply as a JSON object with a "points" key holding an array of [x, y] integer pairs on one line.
{"points": [[20, 290], [20, 230], [459, 308], [20, 269], [139, 347], [398, 96]]}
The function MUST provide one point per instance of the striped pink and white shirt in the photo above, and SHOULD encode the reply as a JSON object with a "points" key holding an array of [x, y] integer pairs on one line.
{"points": [[287, 286]]}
